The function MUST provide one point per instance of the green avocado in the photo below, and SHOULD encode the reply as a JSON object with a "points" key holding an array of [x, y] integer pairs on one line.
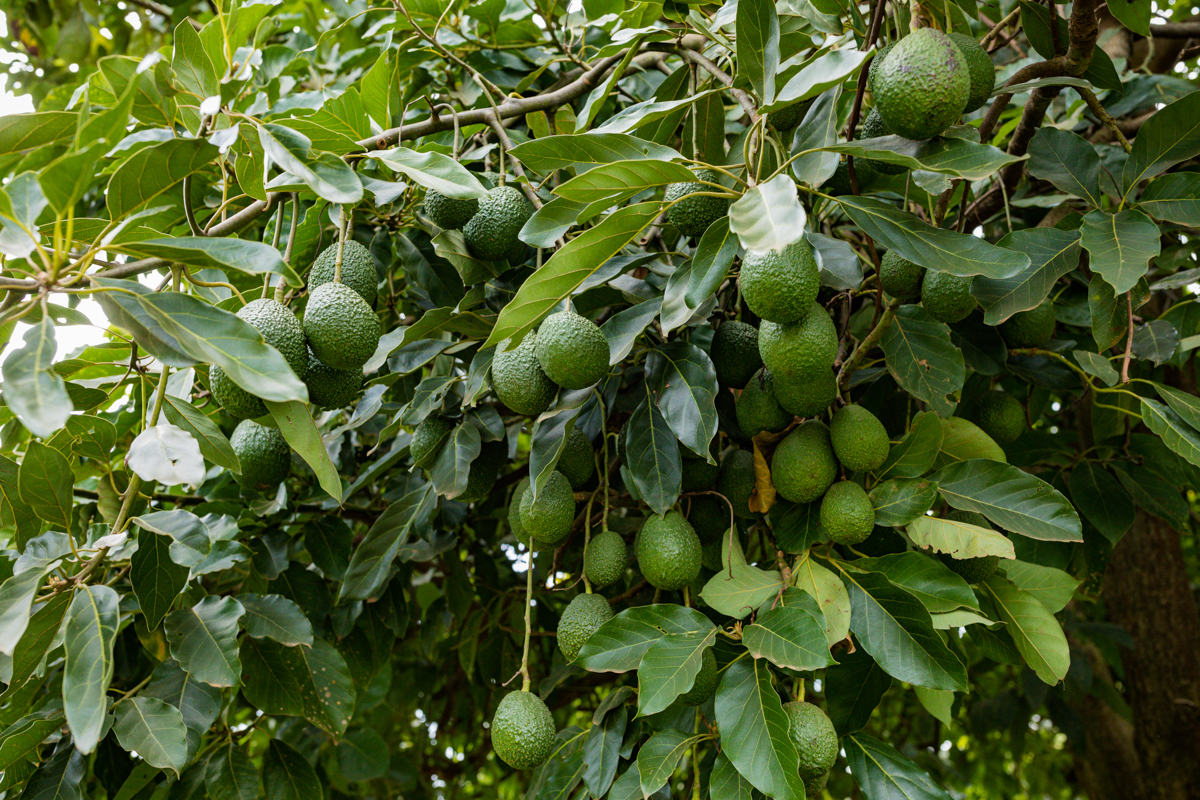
{"points": [[668, 551], [780, 286], [705, 682], [263, 454], [799, 350], [428, 438], [329, 387], [605, 559], [578, 459], [803, 466], [709, 516], [693, 215], [734, 353], [999, 415], [737, 481], [947, 297], [814, 736], [806, 397], [514, 514], [923, 85], [876, 63], [572, 350], [280, 329], [980, 68], [788, 117], [342, 330], [518, 379], [522, 730], [358, 270], [449, 213], [492, 233], [1032, 328], [846, 513], [582, 616], [900, 277], [757, 408], [548, 519], [859, 439], [697, 475], [874, 127]]}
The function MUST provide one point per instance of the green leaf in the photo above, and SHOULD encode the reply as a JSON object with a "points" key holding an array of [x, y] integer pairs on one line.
{"points": [[253, 258], [287, 775], [923, 360], [312, 682], [962, 440], [789, 637], [1121, 246], [902, 500], [1169, 137], [739, 589], [1182, 438], [154, 729], [1066, 160], [1102, 500], [275, 617], [937, 702], [569, 267], [768, 216], [894, 627], [45, 482], [17, 593], [19, 132], [927, 579], [32, 389], [619, 644], [198, 702], [654, 460], [608, 180], [602, 748], [450, 471], [151, 172], [758, 45], [40, 631], [1097, 366], [623, 328], [726, 783], [659, 757], [373, 557], [1014, 500], [59, 778], [937, 249], [1053, 587], [1052, 254], [156, 579], [853, 688], [547, 154], [884, 774], [432, 170], [21, 203], [550, 222], [685, 386], [914, 454], [203, 640], [754, 730], [21, 740], [830, 593], [88, 644], [327, 175], [669, 668], [298, 428], [826, 72], [1183, 404], [797, 526], [959, 539], [193, 69], [943, 154], [639, 114], [214, 445], [1034, 630], [1174, 197], [817, 130], [362, 755], [1155, 341]]}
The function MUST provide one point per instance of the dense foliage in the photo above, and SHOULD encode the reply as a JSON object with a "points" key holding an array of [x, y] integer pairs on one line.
{"points": [[248, 552]]}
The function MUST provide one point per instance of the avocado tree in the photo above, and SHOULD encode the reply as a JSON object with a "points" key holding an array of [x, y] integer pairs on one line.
{"points": [[608, 399]]}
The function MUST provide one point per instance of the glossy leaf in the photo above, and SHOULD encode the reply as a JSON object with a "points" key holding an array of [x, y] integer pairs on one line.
{"points": [[214, 445], [1170, 136], [927, 579], [287, 775], [34, 392], [331, 178], [1174, 197], [45, 480], [758, 45], [151, 172], [607, 180], [434, 171], [373, 557], [669, 667], [1034, 630], [313, 682], [923, 360], [154, 729], [1175, 432], [788, 637], [253, 258], [1053, 587], [560, 152], [619, 644], [817, 130], [914, 454], [655, 463], [961, 158], [1052, 254], [156, 579], [659, 757], [1066, 160], [884, 774], [823, 74], [830, 593], [685, 388], [1012, 499], [275, 617], [902, 500], [768, 216]]}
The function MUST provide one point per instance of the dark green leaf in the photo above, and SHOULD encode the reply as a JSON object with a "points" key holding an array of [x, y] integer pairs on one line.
{"points": [[758, 46], [550, 222], [1133, 14], [312, 682], [654, 459], [817, 130], [153, 729], [685, 388], [1034, 630], [619, 644], [374, 556], [88, 645], [1169, 137], [797, 526], [1066, 160], [884, 774], [59, 778], [45, 482], [198, 702], [915, 453], [961, 158], [788, 637], [726, 783], [1174, 197], [1052, 252], [1102, 500], [853, 688], [231, 775], [275, 617], [623, 328], [34, 392], [287, 775], [1155, 341], [151, 172], [1014, 500], [927, 579], [20, 741], [669, 668], [253, 258], [902, 500], [296, 424], [450, 471], [659, 757], [156, 579], [601, 750], [923, 360], [362, 755], [203, 640], [214, 446], [1181, 437], [561, 152], [1121, 246], [330, 177]]}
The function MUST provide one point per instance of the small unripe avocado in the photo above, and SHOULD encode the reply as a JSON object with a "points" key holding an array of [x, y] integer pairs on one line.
{"points": [[734, 353], [859, 439], [806, 397], [814, 736], [1032, 328], [522, 730], [263, 454], [428, 438], [578, 459], [923, 84], [449, 213], [518, 379], [605, 559], [788, 117], [572, 350], [548, 518], [947, 297], [705, 683], [342, 330], [874, 127], [800, 350], [781, 286], [514, 514], [279, 328], [803, 466], [846, 513], [493, 230], [668, 551], [757, 408], [999, 415], [980, 68], [900, 277], [737, 480], [693, 215], [580, 619], [358, 270], [329, 387], [696, 474]]}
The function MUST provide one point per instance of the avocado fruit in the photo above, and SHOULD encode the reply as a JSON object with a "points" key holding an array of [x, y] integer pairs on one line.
{"points": [[757, 408], [900, 277], [518, 379], [428, 438], [449, 213], [705, 682], [947, 297], [814, 736], [859, 439], [492, 232], [549, 517], [693, 214], [578, 459], [803, 465], [980, 68], [263, 453], [572, 350], [922, 85], [358, 270], [341, 327], [734, 353], [874, 127], [522, 730], [280, 329], [999, 415], [806, 397], [580, 619], [668, 551], [847, 515], [1032, 328], [780, 286], [737, 480], [799, 350], [605, 559], [329, 387]]}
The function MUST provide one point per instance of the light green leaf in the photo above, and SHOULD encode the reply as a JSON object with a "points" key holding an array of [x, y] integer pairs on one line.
{"points": [[789, 637], [253, 258], [91, 628], [817, 130], [943, 154], [937, 702], [1175, 432], [561, 152], [152, 171], [1097, 366], [434, 171], [959, 539], [830, 593], [1038, 636], [758, 45], [608, 180], [739, 589], [826, 72], [275, 617], [19, 132], [619, 644], [32, 389], [298, 428], [331, 178], [203, 640], [884, 774], [45, 481], [963, 440], [669, 668], [1053, 587], [638, 114], [214, 445], [769, 216], [153, 729], [659, 757], [1066, 160], [1170, 136]]}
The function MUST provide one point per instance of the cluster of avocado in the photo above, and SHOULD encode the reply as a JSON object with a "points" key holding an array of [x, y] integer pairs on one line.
{"points": [[326, 350], [490, 226], [568, 350]]}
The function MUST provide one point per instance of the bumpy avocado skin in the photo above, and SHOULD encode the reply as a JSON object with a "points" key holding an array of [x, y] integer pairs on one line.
{"points": [[900, 277], [780, 286], [668, 551], [518, 379], [736, 481], [358, 270], [449, 213], [605, 559], [846, 513], [999, 415], [693, 215], [922, 85], [814, 736], [578, 459], [758, 409], [1032, 328], [263, 454], [734, 353], [806, 397], [859, 439], [800, 350], [980, 68], [705, 683], [279, 328], [947, 297], [493, 230], [329, 387], [428, 438], [342, 330], [572, 350], [548, 518], [582, 616], [788, 117], [803, 466], [522, 730]]}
